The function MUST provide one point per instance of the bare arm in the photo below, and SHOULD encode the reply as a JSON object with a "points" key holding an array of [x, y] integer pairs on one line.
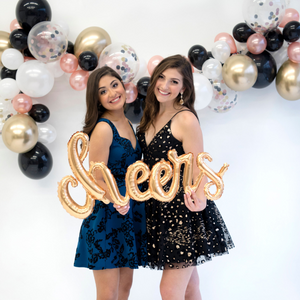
{"points": [[186, 128]]}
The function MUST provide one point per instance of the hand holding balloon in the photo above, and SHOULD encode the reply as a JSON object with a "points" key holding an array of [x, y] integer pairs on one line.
{"points": [[193, 203], [123, 210]]}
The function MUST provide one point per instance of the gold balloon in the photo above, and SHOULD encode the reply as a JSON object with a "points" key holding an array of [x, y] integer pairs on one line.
{"points": [[20, 133], [4, 43], [288, 81], [239, 72], [93, 39], [217, 178]]}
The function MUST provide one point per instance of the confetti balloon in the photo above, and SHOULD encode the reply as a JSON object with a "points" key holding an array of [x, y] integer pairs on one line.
{"points": [[121, 58], [47, 42], [224, 98], [263, 16]]}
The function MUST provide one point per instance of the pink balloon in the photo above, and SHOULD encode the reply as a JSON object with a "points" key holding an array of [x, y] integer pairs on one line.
{"points": [[291, 14], [226, 37], [14, 25], [294, 52], [78, 80], [131, 92], [256, 43], [153, 62], [22, 103], [69, 63], [27, 58]]}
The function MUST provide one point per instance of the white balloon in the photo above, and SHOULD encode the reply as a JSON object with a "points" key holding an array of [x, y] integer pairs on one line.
{"points": [[64, 27], [8, 88], [281, 55], [55, 69], [220, 51], [142, 70], [241, 48], [12, 58], [47, 133], [212, 68], [34, 79], [203, 91]]}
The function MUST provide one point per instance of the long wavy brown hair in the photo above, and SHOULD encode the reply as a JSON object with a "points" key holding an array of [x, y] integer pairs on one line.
{"points": [[183, 66], [93, 108]]}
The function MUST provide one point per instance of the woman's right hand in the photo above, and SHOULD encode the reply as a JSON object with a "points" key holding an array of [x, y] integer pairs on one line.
{"points": [[123, 210]]}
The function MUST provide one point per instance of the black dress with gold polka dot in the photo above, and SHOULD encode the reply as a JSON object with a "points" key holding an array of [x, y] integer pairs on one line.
{"points": [[177, 237]]}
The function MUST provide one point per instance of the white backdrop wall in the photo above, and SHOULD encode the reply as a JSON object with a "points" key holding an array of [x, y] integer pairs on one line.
{"points": [[259, 138]]}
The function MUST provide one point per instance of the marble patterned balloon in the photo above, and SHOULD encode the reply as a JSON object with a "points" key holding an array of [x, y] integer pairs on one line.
{"points": [[224, 98], [263, 16]]}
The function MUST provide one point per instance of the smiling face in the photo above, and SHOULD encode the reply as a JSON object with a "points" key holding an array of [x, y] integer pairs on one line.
{"points": [[112, 95], [168, 85]]}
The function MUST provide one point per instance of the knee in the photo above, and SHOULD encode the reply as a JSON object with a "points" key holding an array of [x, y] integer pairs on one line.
{"points": [[125, 286], [193, 287], [168, 292], [107, 294]]}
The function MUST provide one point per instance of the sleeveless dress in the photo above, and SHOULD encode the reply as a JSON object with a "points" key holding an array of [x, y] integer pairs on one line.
{"points": [[108, 239], [177, 237]]}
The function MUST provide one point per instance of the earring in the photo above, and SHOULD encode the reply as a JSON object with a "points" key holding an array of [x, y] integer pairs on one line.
{"points": [[181, 100]]}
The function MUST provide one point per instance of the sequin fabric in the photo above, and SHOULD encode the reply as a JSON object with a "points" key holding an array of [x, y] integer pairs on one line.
{"points": [[177, 237]]}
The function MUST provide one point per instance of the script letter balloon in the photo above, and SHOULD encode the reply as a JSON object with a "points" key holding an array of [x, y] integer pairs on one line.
{"points": [[34, 79], [20, 133], [203, 91], [288, 81], [294, 52], [93, 39], [36, 163], [239, 72]]}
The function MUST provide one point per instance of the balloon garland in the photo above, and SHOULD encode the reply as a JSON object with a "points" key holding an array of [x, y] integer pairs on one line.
{"points": [[257, 46]]}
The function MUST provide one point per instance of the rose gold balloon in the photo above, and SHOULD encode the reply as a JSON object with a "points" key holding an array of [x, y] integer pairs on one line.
{"points": [[226, 37], [131, 92], [69, 63], [27, 58], [153, 62], [14, 25], [256, 43], [294, 52], [291, 14], [22, 103], [78, 80]]}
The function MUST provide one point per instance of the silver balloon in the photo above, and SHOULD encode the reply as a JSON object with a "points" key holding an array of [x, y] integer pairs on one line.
{"points": [[220, 51], [212, 68], [47, 133]]}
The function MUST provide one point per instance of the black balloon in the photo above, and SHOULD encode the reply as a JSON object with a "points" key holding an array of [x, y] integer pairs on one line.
{"points": [[266, 67], [142, 85], [70, 48], [7, 73], [209, 55], [197, 56], [291, 31], [27, 53], [36, 163], [29, 13], [88, 61], [18, 39], [274, 40], [241, 32], [39, 113], [134, 110]]}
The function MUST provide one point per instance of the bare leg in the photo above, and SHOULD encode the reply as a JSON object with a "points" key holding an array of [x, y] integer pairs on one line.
{"points": [[125, 283], [193, 289], [107, 283], [174, 283]]}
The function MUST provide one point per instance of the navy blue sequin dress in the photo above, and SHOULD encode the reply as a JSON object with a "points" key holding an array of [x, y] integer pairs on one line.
{"points": [[108, 239]]}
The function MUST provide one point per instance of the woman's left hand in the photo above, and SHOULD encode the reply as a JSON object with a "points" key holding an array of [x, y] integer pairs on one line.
{"points": [[123, 210], [193, 203]]}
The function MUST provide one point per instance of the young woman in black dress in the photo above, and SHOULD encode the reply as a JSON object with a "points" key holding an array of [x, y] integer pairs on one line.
{"points": [[189, 230]]}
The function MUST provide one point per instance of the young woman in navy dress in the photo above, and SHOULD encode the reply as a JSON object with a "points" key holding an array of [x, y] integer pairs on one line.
{"points": [[112, 240], [189, 230]]}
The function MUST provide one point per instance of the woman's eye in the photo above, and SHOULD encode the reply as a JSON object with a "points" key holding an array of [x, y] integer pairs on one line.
{"points": [[115, 85], [102, 92], [160, 76], [175, 82]]}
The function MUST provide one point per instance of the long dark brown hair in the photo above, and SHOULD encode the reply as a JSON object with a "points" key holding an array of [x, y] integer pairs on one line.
{"points": [[93, 108], [182, 65]]}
